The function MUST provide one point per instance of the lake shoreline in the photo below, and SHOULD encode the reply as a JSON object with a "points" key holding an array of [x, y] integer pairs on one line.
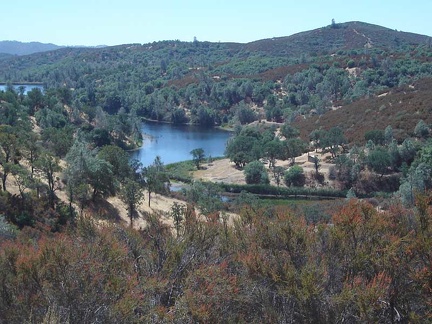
{"points": [[174, 142], [224, 128]]}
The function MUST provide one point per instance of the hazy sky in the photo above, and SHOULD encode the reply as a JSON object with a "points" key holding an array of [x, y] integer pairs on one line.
{"points": [[112, 22]]}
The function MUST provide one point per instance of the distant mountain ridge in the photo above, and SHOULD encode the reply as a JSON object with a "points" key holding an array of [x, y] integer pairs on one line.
{"points": [[340, 36], [10, 48], [20, 48]]}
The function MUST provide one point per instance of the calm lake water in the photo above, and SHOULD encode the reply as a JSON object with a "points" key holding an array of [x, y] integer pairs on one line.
{"points": [[173, 143], [28, 87]]}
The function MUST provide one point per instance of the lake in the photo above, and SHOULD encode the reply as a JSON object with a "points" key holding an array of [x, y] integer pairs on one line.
{"points": [[173, 143], [28, 87]]}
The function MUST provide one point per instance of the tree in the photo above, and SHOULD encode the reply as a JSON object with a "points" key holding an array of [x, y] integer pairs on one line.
{"points": [[273, 150], [421, 130], [100, 177], [412, 184], [197, 156], [377, 136], [317, 164], [178, 116], [333, 139], [86, 168], [118, 158], [23, 179], [8, 150], [379, 161], [58, 140], [155, 178], [131, 193], [289, 131], [7, 230], [278, 173], [48, 166], [294, 176], [294, 147], [177, 213], [205, 116], [244, 114], [388, 135], [407, 151], [315, 136], [239, 149], [206, 195], [31, 149], [255, 173]]}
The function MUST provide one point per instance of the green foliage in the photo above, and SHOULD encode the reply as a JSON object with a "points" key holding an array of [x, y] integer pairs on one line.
{"points": [[421, 130], [155, 178], [8, 150], [278, 173], [376, 136], [85, 168], [177, 213], [118, 159], [289, 131], [131, 193], [379, 161], [181, 171], [293, 147], [197, 156], [58, 140], [244, 114], [256, 173], [295, 176], [206, 195], [7, 230], [48, 166]]}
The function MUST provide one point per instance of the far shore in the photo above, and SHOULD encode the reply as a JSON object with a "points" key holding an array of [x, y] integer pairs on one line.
{"points": [[225, 128]]}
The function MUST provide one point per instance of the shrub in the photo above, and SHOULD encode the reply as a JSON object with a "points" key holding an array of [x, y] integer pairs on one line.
{"points": [[255, 173], [295, 176]]}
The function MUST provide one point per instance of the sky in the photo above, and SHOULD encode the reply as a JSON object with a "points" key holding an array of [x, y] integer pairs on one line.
{"points": [[112, 22]]}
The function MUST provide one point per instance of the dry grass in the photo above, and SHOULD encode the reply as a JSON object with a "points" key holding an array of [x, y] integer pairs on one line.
{"points": [[225, 171], [401, 108]]}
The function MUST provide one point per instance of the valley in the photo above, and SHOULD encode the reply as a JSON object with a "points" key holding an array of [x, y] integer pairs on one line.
{"points": [[302, 169]]}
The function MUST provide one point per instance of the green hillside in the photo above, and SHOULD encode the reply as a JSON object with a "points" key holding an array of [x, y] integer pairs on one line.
{"points": [[217, 83]]}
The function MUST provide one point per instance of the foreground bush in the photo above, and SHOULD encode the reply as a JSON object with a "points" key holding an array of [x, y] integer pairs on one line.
{"points": [[268, 266]]}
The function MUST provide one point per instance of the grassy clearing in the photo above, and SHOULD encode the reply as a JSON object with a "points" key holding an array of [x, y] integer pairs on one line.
{"points": [[181, 171]]}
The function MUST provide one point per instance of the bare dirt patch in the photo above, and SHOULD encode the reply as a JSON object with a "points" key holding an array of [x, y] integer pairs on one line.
{"points": [[226, 171]]}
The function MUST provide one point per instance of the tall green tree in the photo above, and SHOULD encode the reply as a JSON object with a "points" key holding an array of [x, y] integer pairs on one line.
{"points": [[177, 213], [47, 166], [333, 140], [197, 156], [9, 145], [118, 159], [379, 161], [156, 178], [293, 147], [86, 168], [131, 193], [278, 173]]}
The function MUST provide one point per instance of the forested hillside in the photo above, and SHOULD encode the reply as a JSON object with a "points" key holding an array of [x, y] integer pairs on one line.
{"points": [[332, 222], [218, 83]]}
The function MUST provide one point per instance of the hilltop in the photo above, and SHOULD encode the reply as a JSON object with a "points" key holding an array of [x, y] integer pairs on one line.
{"points": [[343, 36]]}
